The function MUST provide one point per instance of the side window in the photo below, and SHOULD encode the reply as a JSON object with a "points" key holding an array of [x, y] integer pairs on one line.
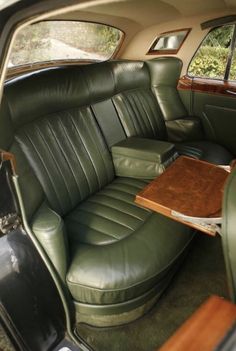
{"points": [[232, 73], [211, 59]]}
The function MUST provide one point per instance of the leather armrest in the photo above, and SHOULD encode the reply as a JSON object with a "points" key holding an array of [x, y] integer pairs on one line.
{"points": [[49, 229], [142, 158], [184, 129]]}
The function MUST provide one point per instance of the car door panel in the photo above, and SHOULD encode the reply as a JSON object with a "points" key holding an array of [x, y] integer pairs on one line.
{"points": [[215, 103]]}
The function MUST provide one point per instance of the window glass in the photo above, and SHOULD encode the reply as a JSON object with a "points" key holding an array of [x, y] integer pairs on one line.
{"points": [[211, 58], [64, 40], [170, 41], [232, 73]]}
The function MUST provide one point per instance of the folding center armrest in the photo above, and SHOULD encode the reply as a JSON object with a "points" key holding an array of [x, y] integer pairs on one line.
{"points": [[142, 158]]}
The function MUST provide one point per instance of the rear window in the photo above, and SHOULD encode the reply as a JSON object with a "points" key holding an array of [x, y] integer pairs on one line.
{"points": [[64, 40]]}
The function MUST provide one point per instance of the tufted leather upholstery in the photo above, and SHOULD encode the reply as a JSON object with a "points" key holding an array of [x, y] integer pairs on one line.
{"points": [[68, 155], [134, 101], [60, 123]]}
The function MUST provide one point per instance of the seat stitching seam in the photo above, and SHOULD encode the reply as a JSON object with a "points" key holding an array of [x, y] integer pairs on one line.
{"points": [[135, 110], [138, 105], [97, 230], [70, 166], [144, 99], [114, 208], [56, 163], [131, 112], [107, 218], [85, 147], [98, 148], [44, 166], [77, 155]]}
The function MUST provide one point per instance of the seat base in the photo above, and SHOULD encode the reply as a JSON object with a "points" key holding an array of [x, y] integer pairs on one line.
{"points": [[112, 320], [128, 311]]}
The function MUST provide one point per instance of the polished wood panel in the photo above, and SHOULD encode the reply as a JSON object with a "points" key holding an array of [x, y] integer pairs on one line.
{"points": [[188, 186], [209, 86], [205, 329]]}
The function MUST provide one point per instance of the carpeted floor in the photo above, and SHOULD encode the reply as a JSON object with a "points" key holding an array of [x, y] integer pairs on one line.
{"points": [[201, 275], [5, 344]]}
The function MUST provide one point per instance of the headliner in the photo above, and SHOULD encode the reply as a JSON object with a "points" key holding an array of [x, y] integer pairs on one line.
{"points": [[150, 12]]}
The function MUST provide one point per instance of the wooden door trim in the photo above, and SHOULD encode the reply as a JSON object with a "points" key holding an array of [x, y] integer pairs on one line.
{"points": [[209, 86]]}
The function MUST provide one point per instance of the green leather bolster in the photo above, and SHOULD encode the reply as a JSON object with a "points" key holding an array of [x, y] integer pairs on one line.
{"points": [[228, 232], [142, 158], [49, 229], [184, 129], [117, 308]]}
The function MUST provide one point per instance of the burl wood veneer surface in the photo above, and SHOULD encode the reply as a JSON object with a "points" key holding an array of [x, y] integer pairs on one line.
{"points": [[189, 186]]}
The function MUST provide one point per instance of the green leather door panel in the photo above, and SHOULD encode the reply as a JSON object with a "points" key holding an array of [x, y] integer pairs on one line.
{"points": [[222, 124], [218, 114], [216, 110]]}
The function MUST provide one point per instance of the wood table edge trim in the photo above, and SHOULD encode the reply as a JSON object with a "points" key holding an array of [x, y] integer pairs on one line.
{"points": [[205, 329], [167, 212]]}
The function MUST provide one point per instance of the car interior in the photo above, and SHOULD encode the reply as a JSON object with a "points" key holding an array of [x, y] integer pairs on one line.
{"points": [[89, 134]]}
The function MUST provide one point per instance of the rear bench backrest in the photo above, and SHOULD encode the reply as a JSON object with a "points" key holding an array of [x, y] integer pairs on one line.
{"points": [[165, 73], [56, 130], [55, 115], [134, 100]]}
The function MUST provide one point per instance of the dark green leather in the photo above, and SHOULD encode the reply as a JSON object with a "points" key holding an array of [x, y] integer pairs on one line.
{"points": [[165, 73], [228, 233], [142, 158], [50, 230], [108, 216], [205, 150], [55, 122], [135, 103], [69, 156], [135, 248], [117, 251], [184, 129], [106, 116]]}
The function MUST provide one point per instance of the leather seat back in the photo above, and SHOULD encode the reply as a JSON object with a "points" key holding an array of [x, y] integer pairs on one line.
{"points": [[55, 129], [134, 101], [165, 73]]}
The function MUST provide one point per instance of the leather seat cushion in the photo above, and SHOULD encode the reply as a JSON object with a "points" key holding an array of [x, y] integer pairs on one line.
{"points": [[118, 249], [205, 150]]}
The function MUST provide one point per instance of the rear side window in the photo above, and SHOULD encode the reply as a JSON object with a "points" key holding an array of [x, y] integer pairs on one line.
{"points": [[212, 58], [169, 42], [64, 40]]}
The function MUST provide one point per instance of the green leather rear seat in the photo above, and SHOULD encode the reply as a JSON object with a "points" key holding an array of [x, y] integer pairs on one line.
{"points": [[114, 256], [148, 105]]}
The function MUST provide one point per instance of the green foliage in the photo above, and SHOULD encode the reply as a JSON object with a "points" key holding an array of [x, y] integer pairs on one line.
{"points": [[209, 62], [108, 37], [232, 75], [219, 37], [64, 39], [27, 44], [211, 59]]}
